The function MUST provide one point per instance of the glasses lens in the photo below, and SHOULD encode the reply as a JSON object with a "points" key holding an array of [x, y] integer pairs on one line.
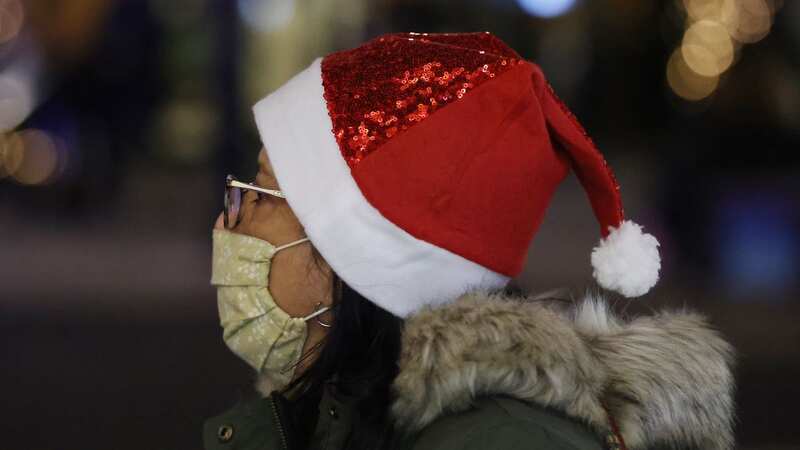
{"points": [[233, 203]]}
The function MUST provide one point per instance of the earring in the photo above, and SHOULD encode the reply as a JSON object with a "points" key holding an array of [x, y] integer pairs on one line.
{"points": [[317, 308]]}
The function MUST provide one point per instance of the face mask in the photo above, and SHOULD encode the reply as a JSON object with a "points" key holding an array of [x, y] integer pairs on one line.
{"points": [[255, 327]]}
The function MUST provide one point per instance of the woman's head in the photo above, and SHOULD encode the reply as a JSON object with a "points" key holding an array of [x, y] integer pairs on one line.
{"points": [[299, 277]]}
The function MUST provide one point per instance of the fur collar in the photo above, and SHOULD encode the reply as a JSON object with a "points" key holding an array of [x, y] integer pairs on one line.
{"points": [[665, 378]]}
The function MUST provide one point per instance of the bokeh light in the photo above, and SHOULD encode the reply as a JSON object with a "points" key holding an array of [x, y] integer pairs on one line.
{"points": [[12, 16], [747, 21], [726, 12], [756, 242], [687, 83], [546, 8], [11, 152], [707, 48], [711, 43], [755, 21], [186, 130], [16, 101], [266, 15], [39, 158]]}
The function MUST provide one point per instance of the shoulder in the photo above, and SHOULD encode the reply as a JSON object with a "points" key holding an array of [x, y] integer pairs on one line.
{"points": [[504, 423]]}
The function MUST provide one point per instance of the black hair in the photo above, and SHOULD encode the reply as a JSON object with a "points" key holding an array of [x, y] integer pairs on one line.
{"points": [[361, 350]]}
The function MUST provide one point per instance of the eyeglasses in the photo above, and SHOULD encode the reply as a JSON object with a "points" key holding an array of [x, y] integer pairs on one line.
{"points": [[234, 189]]}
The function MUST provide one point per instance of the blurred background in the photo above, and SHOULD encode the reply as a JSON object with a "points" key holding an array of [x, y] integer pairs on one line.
{"points": [[120, 119]]}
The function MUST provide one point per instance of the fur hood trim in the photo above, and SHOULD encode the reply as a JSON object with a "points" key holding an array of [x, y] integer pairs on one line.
{"points": [[666, 378]]}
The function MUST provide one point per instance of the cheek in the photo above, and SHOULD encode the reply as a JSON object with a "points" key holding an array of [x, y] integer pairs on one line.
{"points": [[287, 215], [275, 222], [290, 305], [263, 213], [283, 222], [289, 286]]}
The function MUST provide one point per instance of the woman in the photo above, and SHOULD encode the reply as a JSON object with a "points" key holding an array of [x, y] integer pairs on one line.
{"points": [[404, 180]]}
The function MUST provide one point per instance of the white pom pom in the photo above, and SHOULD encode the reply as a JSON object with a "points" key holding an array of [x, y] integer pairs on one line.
{"points": [[627, 260]]}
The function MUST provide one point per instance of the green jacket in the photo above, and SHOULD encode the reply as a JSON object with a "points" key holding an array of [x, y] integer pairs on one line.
{"points": [[492, 372], [497, 422]]}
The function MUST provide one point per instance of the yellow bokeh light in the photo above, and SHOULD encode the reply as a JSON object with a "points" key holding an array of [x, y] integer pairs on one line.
{"points": [[701, 9], [685, 82], [755, 21], [11, 154], [725, 12], [40, 158], [707, 48], [711, 44]]}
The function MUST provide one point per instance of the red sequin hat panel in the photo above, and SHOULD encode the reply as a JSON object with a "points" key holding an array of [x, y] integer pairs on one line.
{"points": [[382, 88]]}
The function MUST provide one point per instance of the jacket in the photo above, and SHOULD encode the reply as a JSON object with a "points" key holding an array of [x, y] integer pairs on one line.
{"points": [[499, 371]]}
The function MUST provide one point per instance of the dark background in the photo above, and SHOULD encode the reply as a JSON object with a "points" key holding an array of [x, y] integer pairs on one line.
{"points": [[120, 119]]}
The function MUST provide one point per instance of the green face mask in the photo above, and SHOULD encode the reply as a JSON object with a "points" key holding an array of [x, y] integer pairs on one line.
{"points": [[255, 327]]}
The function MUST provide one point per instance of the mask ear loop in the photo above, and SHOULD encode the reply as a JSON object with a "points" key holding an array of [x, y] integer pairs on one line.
{"points": [[281, 247], [318, 310]]}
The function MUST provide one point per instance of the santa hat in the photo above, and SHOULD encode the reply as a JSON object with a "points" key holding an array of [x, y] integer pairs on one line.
{"points": [[421, 165]]}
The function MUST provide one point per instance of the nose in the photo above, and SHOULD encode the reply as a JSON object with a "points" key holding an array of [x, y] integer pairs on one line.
{"points": [[220, 224]]}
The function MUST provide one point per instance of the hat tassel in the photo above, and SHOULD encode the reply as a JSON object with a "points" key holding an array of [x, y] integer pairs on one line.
{"points": [[627, 260]]}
